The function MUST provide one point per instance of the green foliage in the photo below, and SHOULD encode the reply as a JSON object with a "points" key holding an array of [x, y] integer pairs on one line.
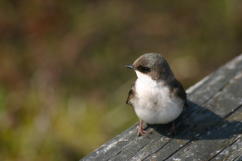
{"points": [[62, 82]]}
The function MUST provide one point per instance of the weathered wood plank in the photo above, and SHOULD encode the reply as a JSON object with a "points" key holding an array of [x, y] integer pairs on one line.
{"points": [[231, 153], [223, 104], [213, 100], [211, 142]]}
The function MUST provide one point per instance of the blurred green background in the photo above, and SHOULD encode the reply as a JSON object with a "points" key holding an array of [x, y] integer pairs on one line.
{"points": [[62, 81]]}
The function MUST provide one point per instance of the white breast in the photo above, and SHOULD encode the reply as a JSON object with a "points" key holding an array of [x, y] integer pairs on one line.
{"points": [[153, 102]]}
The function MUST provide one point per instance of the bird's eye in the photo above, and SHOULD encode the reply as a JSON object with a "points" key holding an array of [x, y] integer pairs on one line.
{"points": [[144, 69]]}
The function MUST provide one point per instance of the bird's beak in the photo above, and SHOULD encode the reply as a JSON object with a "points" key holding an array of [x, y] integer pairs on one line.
{"points": [[130, 66]]}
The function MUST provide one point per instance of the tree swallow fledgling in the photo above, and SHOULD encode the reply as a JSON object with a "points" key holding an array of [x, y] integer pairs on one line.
{"points": [[156, 95]]}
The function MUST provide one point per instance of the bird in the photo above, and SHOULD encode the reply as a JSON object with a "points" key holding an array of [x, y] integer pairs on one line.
{"points": [[156, 95]]}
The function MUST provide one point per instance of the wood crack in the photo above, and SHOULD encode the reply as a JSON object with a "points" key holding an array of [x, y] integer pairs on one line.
{"points": [[205, 125]]}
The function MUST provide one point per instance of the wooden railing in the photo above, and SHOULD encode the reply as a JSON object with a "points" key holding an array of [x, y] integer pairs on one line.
{"points": [[209, 129]]}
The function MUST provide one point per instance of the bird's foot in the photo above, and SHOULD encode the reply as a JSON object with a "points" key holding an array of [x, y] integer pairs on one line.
{"points": [[140, 129], [172, 130]]}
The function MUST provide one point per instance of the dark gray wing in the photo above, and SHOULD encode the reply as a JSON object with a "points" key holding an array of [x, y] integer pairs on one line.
{"points": [[178, 90], [131, 94]]}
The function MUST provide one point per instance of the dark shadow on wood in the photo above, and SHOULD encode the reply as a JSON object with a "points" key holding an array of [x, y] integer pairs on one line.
{"points": [[199, 123], [238, 158]]}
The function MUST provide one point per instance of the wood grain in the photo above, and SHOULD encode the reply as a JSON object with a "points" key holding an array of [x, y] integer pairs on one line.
{"points": [[209, 129]]}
